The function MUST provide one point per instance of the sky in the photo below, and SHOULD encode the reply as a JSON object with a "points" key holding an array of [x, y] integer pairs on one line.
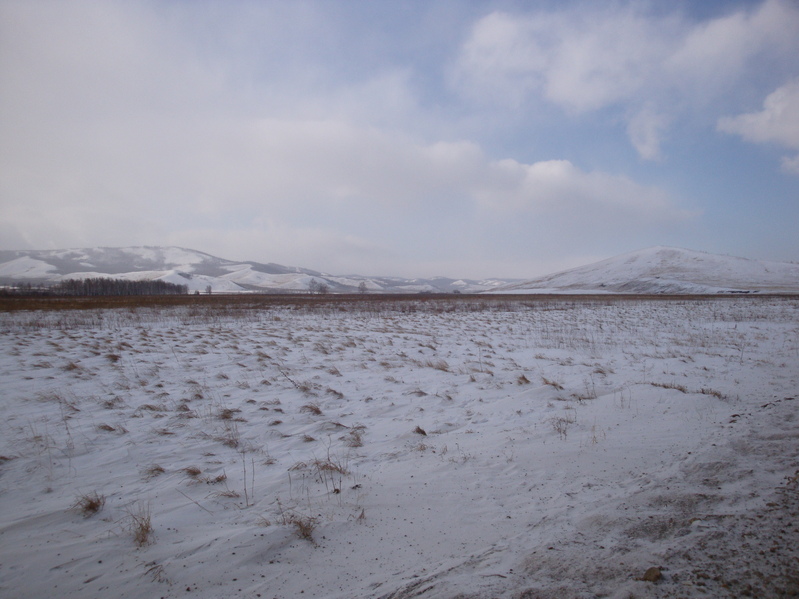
{"points": [[415, 138]]}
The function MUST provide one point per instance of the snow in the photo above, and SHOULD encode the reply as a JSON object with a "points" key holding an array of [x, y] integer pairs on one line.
{"points": [[669, 270], [660, 270], [155, 261], [569, 446], [182, 258], [172, 257], [248, 276], [198, 282], [25, 267]]}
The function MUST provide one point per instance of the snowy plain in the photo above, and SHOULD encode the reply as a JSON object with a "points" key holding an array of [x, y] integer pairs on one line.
{"points": [[458, 449]]}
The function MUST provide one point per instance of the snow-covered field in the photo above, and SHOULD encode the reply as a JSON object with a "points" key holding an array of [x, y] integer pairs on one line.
{"points": [[436, 450]]}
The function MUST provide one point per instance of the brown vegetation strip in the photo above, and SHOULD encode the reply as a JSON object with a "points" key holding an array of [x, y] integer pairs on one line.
{"points": [[342, 302]]}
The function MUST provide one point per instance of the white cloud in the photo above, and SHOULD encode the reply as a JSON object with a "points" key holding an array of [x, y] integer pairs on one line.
{"points": [[645, 129], [588, 58], [117, 129], [791, 164], [578, 61], [276, 241], [777, 123], [557, 186], [709, 57]]}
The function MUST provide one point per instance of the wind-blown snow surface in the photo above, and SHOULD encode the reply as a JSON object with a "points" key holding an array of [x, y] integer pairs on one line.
{"points": [[668, 270], [569, 447]]}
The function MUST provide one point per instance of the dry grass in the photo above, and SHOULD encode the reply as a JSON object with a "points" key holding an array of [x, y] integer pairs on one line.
{"points": [[227, 413], [561, 425], [140, 525], [89, 504], [312, 408], [354, 438], [228, 493], [230, 436], [213, 480], [675, 386], [303, 525], [441, 365], [332, 471], [242, 305], [553, 384], [192, 471], [153, 471]]}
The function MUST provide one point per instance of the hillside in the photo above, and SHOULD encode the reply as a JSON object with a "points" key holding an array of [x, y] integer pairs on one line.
{"points": [[200, 271], [668, 270]]}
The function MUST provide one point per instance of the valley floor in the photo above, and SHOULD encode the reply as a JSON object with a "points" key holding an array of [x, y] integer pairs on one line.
{"points": [[433, 450]]}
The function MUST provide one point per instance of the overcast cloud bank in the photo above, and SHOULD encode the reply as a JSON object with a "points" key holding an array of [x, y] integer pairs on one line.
{"points": [[467, 140]]}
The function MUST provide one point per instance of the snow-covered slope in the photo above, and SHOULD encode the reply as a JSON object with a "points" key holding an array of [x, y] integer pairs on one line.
{"points": [[668, 270], [199, 270], [653, 270], [500, 452]]}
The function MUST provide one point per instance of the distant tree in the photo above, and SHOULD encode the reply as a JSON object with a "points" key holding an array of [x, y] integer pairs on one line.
{"points": [[209, 289], [362, 287], [318, 288], [106, 286]]}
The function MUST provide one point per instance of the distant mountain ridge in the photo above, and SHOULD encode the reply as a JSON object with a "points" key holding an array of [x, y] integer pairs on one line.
{"points": [[656, 270], [662, 270], [199, 270]]}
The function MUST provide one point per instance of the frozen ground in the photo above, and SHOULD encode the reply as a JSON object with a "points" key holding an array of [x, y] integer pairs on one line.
{"points": [[556, 449]]}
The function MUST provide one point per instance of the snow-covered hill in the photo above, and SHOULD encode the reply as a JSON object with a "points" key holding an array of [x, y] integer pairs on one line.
{"points": [[653, 270], [668, 270], [199, 270]]}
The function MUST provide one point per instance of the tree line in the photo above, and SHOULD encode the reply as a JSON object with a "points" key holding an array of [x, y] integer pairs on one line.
{"points": [[98, 286]]}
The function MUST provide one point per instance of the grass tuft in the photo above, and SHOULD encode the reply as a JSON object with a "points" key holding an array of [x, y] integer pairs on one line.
{"points": [[553, 384], [140, 525], [354, 438], [192, 471], [312, 408], [89, 504], [153, 471], [303, 525]]}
